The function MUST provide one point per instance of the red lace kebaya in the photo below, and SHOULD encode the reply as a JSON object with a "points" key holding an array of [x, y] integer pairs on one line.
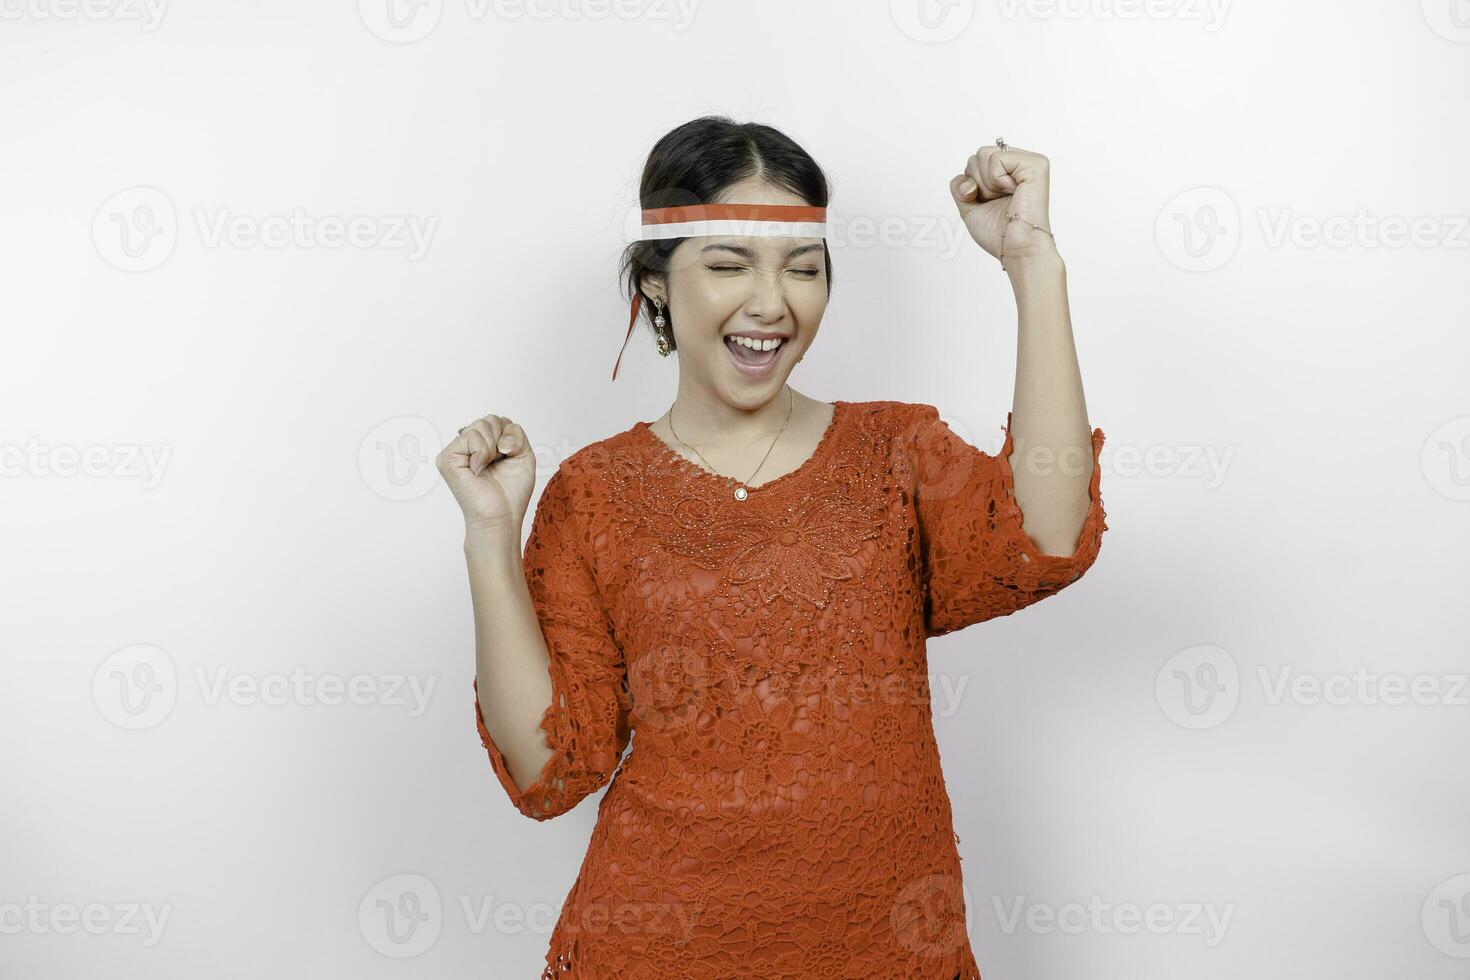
{"points": [[782, 813]]}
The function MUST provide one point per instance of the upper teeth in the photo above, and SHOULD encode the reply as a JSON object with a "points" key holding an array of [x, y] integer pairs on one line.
{"points": [[758, 344]]}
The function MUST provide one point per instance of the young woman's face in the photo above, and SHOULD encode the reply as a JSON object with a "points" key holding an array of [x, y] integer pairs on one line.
{"points": [[723, 287]]}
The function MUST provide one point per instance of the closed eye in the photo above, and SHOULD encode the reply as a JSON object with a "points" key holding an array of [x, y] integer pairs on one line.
{"points": [[809, 273]]}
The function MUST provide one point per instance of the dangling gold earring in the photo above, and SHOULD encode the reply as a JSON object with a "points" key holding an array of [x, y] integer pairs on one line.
{"points": [[664, 347]]}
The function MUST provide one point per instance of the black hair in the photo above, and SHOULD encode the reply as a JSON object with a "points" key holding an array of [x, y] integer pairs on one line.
{"points": [[696, 162]]}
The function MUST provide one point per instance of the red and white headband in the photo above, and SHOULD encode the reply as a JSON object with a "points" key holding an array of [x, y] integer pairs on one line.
{"points": [[765, 220], [744, 220]]}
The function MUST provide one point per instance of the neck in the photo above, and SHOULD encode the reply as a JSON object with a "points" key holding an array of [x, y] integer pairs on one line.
{"points": [[700, 418]]}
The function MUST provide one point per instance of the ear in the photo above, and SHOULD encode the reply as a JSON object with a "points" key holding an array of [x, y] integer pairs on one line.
{"points": [[652, 284]]}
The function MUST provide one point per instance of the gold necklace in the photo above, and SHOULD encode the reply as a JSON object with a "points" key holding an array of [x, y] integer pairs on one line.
{"points": [[742, 491]]}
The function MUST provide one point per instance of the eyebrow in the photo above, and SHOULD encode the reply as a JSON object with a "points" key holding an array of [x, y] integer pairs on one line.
{"points": [[749, 254]]}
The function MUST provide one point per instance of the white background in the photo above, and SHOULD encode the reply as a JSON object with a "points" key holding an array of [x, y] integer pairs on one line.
{"points": [[1287, 471]]}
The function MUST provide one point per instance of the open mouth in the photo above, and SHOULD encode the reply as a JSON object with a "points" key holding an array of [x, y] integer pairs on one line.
{"points": [[754, 356]]}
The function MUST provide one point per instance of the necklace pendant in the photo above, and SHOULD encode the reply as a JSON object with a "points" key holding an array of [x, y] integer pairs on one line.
{"points": [[741, 493]]}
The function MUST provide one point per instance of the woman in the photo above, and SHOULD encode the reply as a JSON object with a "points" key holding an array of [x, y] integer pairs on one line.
{"points": [[748, 583]]}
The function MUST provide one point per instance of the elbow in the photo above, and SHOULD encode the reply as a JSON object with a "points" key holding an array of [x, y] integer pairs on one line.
{"points": [[573, 763], [1061, 539], [1070, 534], [545, 797], [562, 782], [543, 808], [552, 796], [1052, 547]]}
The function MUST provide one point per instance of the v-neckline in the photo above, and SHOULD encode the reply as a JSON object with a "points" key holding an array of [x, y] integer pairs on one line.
{"points": [[812, 462]]}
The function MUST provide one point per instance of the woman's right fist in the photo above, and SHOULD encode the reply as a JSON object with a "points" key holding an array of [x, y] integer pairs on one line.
{"points": [[491, 471]]}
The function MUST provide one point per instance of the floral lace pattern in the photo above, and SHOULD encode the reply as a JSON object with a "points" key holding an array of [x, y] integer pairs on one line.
{"points": [[782, 812]]}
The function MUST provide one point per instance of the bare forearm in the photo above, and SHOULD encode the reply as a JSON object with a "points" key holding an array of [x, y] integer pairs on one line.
{"points": [[1051, 437], [510, 654]]}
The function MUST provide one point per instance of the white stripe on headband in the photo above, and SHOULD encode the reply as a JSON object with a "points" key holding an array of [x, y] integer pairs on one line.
{"points": [[757, 220], [767, 229]]}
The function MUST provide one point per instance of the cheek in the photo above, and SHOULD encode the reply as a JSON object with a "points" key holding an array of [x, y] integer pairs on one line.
{"points": [[809, 302], [709, 302]]}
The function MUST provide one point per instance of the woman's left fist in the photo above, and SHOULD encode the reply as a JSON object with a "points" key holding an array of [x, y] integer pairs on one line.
{"points": [[997, 183]]}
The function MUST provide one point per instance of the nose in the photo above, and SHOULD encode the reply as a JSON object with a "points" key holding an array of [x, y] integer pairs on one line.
{"points": [[767, 298]]}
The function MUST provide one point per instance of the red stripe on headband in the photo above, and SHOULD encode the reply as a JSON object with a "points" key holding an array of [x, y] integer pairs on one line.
{"points": [[733, 212]]}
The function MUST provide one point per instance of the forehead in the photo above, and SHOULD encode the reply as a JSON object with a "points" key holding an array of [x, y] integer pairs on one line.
{"points": [[755, 245]]}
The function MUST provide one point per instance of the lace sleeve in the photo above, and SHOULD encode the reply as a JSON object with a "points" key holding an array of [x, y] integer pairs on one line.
{"points": [[586, 724], [978, 562]]}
